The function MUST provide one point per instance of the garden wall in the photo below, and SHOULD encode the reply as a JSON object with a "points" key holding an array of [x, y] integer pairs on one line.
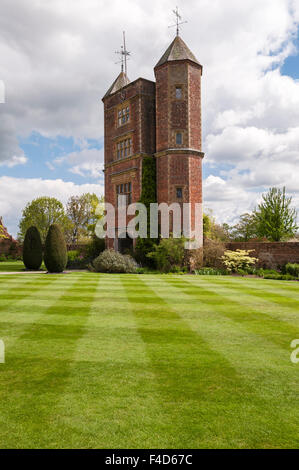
{"points": [[271, 255]]}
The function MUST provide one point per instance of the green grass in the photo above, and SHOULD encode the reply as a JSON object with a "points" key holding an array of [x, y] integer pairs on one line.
{"points": [[14, 266], [149, 361], [11, 266]]}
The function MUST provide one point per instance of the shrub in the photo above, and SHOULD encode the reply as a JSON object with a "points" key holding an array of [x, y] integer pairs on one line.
{"points": [[169, 254], [238, 260], [32, 249], [210, 272], [2, 258], [110, 261], [292, 269], [212, 253], [280, 277], [76, 259], [95, 247], [55, 250]]}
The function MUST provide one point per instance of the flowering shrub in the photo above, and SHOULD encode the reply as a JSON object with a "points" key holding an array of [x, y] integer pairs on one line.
{"points": [[238, 261], [110, 261]]}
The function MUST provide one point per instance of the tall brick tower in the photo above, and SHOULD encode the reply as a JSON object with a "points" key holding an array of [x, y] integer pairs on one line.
{"points": [[161, 120], [178, 127]]}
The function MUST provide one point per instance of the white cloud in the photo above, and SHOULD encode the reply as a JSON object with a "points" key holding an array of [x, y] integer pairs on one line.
{"points": [[57, 61], [15, 193], [87, 162]]}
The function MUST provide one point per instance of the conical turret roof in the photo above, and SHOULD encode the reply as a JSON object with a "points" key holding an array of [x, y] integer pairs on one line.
{"points": [[178, 50], [121, 81]]}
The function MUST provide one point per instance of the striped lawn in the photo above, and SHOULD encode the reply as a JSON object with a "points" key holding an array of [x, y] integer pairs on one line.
{"points": [[128, 361]]}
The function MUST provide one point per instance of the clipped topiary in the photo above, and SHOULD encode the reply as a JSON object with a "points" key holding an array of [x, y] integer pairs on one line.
{"points": [[55, 250], [32, 249]]}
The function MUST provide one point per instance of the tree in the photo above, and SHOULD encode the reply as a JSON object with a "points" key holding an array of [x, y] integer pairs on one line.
{"points": [[245, 229], [148, 196], [3, 234], [55, 250], [275, 218], [42, 213], [82, 213], [32, 249]]}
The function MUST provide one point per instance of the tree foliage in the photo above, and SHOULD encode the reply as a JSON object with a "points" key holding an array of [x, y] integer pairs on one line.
{"points": [[42, 213], [82, 212], [275, 218], [245, 229], [32, 249], [235, 261], [148, 196], [55, 250]]}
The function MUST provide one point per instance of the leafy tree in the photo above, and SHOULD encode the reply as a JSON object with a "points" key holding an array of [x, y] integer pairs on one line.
{"points": [[245, 229], [212, 230], [275, 218], [207, 225], [42, 213], [81, 211], [55, 250], [169, 254], [148, 196], [32, 249], [2, 233]]}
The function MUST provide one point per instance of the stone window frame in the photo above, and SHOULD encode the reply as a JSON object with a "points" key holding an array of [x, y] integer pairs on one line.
{"points": [[123, 114], [124, 147], [182, 187], [177, 133], [124, 189], [181, 87]]}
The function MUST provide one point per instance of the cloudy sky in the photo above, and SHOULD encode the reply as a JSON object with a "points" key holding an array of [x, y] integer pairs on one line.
{"points": [[57, 60]]}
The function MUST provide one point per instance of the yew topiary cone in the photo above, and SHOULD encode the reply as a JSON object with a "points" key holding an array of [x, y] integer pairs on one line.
{"points": [[32, 249], [55, 257]]}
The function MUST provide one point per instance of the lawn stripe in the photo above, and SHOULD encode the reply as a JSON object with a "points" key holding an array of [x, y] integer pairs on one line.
{"points": [[279, 332], [200, 391], [264, 291], [286, 311], [111, 368], [261, 367], [35, 372]]}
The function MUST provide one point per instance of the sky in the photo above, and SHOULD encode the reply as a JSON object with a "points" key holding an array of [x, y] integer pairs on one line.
{"points": [[57, 60]]}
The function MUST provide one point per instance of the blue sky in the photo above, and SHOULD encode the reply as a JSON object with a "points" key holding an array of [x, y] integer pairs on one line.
{"points": [[57, 61]]}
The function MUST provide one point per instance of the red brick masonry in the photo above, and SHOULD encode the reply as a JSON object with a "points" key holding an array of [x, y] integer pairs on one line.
{"points": [[271, 255]]}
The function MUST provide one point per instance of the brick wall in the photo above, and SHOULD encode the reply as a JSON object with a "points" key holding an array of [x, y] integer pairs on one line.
{"points": [[271, 255]]}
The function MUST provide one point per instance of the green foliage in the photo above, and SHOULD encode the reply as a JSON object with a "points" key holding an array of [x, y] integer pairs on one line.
{"points": [[214, 231], [213, 250], [95, 247], [148, 196], [207, 225], [210, 272], [42, 213], [32, 249], [55, 257], [245, 229], [292, 269], [110, 261], [82, 212], [2, 232], [169, 255], [275, 218], [280, 277], [238, 261]]}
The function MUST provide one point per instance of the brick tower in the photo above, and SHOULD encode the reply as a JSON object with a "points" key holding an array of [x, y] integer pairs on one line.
{"points": [[161, 120], [178, 127]]}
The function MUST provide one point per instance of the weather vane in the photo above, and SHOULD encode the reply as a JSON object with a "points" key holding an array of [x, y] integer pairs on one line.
{"points": [[123, 54], [178, 22]]}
